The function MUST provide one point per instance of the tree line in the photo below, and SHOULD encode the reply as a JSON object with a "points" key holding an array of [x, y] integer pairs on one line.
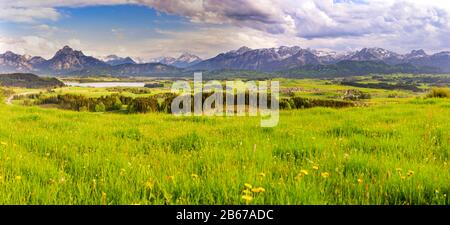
{"points": [[162, 102]]}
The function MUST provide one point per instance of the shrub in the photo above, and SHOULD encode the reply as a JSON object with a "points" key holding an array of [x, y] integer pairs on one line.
{"points": [[439, 93], [286, 103], [83, 109], [355, 94], [143, 105], [100, 107], [117, 104]]}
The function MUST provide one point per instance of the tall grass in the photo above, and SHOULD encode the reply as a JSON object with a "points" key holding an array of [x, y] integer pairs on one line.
{"points": [[439, 93], [391, 154]]}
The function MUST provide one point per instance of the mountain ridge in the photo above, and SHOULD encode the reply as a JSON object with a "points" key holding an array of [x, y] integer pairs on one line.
{"points": [[68, 61]]}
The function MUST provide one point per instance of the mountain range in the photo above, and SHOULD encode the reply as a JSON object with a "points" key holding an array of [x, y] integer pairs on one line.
{"points": [[183, 61], [289, 60], [115, 60]]}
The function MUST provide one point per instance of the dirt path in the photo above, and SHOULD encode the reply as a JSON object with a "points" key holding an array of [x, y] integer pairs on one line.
{"points": [[8, 100]]}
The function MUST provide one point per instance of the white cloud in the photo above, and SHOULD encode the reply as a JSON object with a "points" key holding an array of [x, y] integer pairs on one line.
{"points": [[399, 25], [27, 15], [31, 45]]}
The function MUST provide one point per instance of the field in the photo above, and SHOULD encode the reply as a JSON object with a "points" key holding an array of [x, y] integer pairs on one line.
{"points": [[391, 151]]}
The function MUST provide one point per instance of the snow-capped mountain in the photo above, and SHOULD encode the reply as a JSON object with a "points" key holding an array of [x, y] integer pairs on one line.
{"points": [[376, 54], [69, 61], [266, 59], [186, 60], [163, 60], [183, 61], [114, 60]]}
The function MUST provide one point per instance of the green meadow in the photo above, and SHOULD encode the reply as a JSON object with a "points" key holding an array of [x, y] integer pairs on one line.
{"points": [[390, 151]]}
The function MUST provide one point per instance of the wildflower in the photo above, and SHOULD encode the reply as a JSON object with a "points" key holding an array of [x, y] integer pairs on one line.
{"points": [[360, 181], [398, 170], [18, 178], [249, 186], [258, 190], [194, 176], [436, 191], [325, 174], [410, 173], [246, 192], [103, 198], [402, 177], [262, 174], [3, 143], [304, 172], [247, 198], [149, 184]]}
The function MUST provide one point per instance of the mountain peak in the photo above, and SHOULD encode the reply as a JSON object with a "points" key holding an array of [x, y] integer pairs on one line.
{"points": [[115, 60], [416, 54], [66, 50], [187, 57], [242, 50], [9, 53]]}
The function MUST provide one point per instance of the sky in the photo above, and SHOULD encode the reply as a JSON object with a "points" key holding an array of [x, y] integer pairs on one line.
{"points": [[145, 29]]}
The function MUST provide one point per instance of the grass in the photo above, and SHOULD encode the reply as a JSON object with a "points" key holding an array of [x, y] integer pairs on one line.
{"points": [[439, 93], [393, 153]]}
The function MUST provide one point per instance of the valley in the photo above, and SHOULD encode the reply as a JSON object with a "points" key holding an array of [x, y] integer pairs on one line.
{"points": [[392, 147]]}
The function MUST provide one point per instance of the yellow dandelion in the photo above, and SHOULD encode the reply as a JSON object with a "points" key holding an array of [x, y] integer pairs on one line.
{"points": [[149, 184], [262, 174], [246, 192], [325, 174], [103, 198], [304, 172], [315, 167], [258, 190], [249, 186], [360, 181], [247, 198], [4, 143], [410, 173], [18, 178], [194, 176], [402, 177], [398, 169]]}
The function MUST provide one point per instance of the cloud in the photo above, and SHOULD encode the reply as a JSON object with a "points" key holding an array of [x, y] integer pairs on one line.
{"points": [[306, 18], [27, 15], [335, 24], [32, 45]]}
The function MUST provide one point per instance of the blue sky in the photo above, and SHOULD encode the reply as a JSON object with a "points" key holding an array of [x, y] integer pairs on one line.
{"points": [[152, 28]]}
